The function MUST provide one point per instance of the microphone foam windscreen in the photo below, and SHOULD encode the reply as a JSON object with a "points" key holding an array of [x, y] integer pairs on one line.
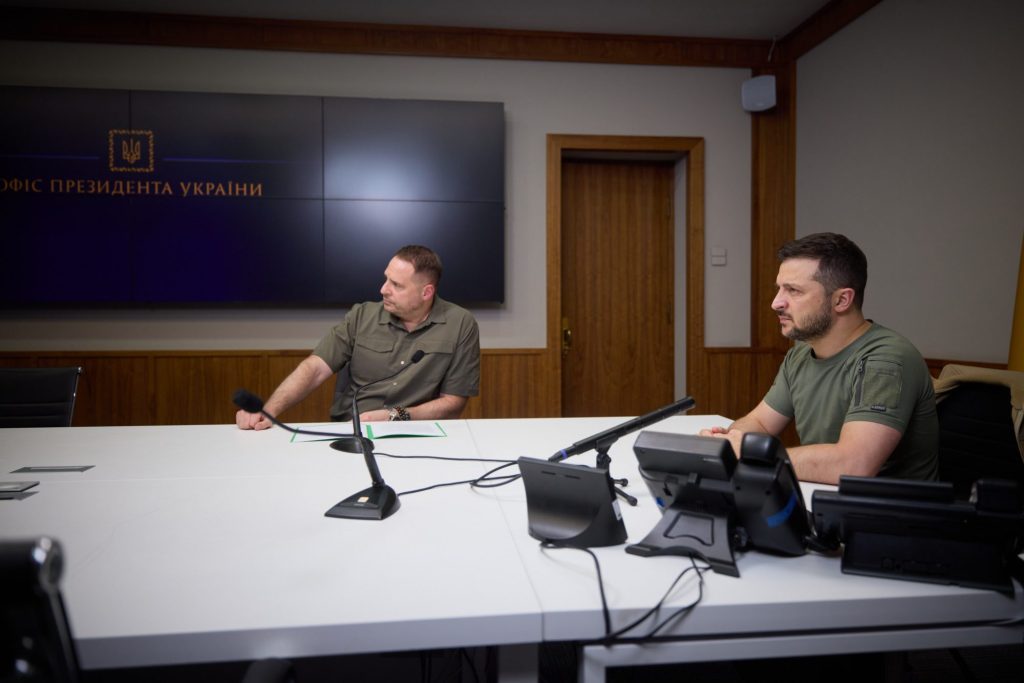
{"points": [[247, 401]]}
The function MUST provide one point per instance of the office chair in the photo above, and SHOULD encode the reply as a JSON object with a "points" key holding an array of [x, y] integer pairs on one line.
{"points": [[36, 643], [38, 397], [35, 639], [977, 436]]}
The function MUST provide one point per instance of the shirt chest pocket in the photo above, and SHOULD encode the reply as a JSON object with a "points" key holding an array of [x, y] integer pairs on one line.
{"points": [[437, 358], [443, 348], [371, 359], [374, 346]]}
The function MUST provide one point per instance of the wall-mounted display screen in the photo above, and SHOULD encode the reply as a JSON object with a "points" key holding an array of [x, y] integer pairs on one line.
{"points": [[138, 198]]}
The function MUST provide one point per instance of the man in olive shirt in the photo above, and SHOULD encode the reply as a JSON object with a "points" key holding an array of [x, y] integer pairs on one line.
{"points": [[379, 339], [861, 394]]}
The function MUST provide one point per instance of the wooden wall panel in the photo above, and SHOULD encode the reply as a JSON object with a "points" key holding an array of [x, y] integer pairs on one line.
{"points": [[195, 387], [315, 408], [738, 379], [515, 383], [198, 389], [112, 389], [129, 399]]}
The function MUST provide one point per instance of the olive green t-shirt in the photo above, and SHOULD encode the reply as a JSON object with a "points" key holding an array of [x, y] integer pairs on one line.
{"points": [[880, 378], [374, 344]]}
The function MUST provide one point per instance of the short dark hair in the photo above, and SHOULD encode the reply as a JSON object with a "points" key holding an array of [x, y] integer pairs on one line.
{"points": [[841, 263], [423, 259]]}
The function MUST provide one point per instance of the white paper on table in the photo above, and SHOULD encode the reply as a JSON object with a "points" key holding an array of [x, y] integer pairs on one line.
{"points": [[375, 430], [387, 430]]}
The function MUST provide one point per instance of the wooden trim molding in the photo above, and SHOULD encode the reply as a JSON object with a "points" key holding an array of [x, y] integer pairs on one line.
{"points": [[248, 33], [820, 26], [253, 33], [773, 202]]}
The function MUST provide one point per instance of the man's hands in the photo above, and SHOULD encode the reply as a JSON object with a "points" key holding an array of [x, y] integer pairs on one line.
{"points": [[310, 373], [444, 407], [862, 449], [733, 436], [257, 421]]}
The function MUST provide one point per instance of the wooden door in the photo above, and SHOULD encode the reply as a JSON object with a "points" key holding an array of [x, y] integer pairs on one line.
{"points": [[617, 287]]}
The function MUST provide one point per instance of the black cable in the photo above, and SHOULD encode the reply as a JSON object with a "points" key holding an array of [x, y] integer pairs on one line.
{"points": [[654, 610], [686, 608], [476, 482], [600, 580], [440, 457], [609, 635], [472, 664], [961, 663], [487, 477]]}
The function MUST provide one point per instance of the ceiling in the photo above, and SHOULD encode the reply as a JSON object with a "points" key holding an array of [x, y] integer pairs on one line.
{"points": [[748, 19]]}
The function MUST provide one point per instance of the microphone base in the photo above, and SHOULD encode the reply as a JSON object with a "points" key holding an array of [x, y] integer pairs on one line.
{"points": [[376, 502], [352, 444]]}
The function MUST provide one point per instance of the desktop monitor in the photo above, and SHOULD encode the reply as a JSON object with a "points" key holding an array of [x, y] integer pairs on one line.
{"points": [[714, 504]]}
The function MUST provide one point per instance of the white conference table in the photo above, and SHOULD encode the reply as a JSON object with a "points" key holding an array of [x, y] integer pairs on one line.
{"points": [[206, 543], [779, 607]]}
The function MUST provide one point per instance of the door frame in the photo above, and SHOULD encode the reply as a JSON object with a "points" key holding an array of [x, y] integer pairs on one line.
{"points": [[691, 151]]}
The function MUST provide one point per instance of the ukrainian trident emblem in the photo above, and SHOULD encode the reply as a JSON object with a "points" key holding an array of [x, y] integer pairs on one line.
{"points": [[130, 150]]}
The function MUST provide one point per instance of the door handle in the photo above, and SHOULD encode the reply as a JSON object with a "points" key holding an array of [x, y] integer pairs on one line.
{"points": [[566, 337]]}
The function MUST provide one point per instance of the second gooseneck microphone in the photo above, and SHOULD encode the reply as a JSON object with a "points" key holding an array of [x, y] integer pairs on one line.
{"points": [[380, 500]]}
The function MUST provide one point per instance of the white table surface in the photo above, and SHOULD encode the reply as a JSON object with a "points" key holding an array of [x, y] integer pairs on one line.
{"points": [[204, 543], [207, 543]]}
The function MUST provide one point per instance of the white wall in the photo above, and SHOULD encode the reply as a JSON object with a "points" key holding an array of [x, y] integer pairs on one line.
{"points": [[910, 141], [539, 97]]}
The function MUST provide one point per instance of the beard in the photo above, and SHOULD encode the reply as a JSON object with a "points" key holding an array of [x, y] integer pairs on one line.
{"points": [[813, 327]]}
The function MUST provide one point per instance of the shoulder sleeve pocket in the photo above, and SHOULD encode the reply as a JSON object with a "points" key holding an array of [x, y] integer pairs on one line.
{"points": [[881, 385]]}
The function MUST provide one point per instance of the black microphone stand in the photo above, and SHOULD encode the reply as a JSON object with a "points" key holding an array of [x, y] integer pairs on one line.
{"points": [[379, 501]]}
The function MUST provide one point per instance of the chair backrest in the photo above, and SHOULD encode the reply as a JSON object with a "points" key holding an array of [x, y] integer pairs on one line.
{"points": [[38, 397], [35, 637], [976, 436], [36, 642]]}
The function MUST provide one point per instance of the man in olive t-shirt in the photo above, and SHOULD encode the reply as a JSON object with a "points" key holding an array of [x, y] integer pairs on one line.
{"points": [[861, 394]]}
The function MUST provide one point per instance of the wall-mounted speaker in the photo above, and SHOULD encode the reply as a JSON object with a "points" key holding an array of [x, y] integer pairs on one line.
{"points": [[758, 93]]}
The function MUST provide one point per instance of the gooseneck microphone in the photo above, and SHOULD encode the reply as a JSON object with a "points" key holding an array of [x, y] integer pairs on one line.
{"points": [[356, 427], [380, 500], [602, 441], [377, 502]]}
